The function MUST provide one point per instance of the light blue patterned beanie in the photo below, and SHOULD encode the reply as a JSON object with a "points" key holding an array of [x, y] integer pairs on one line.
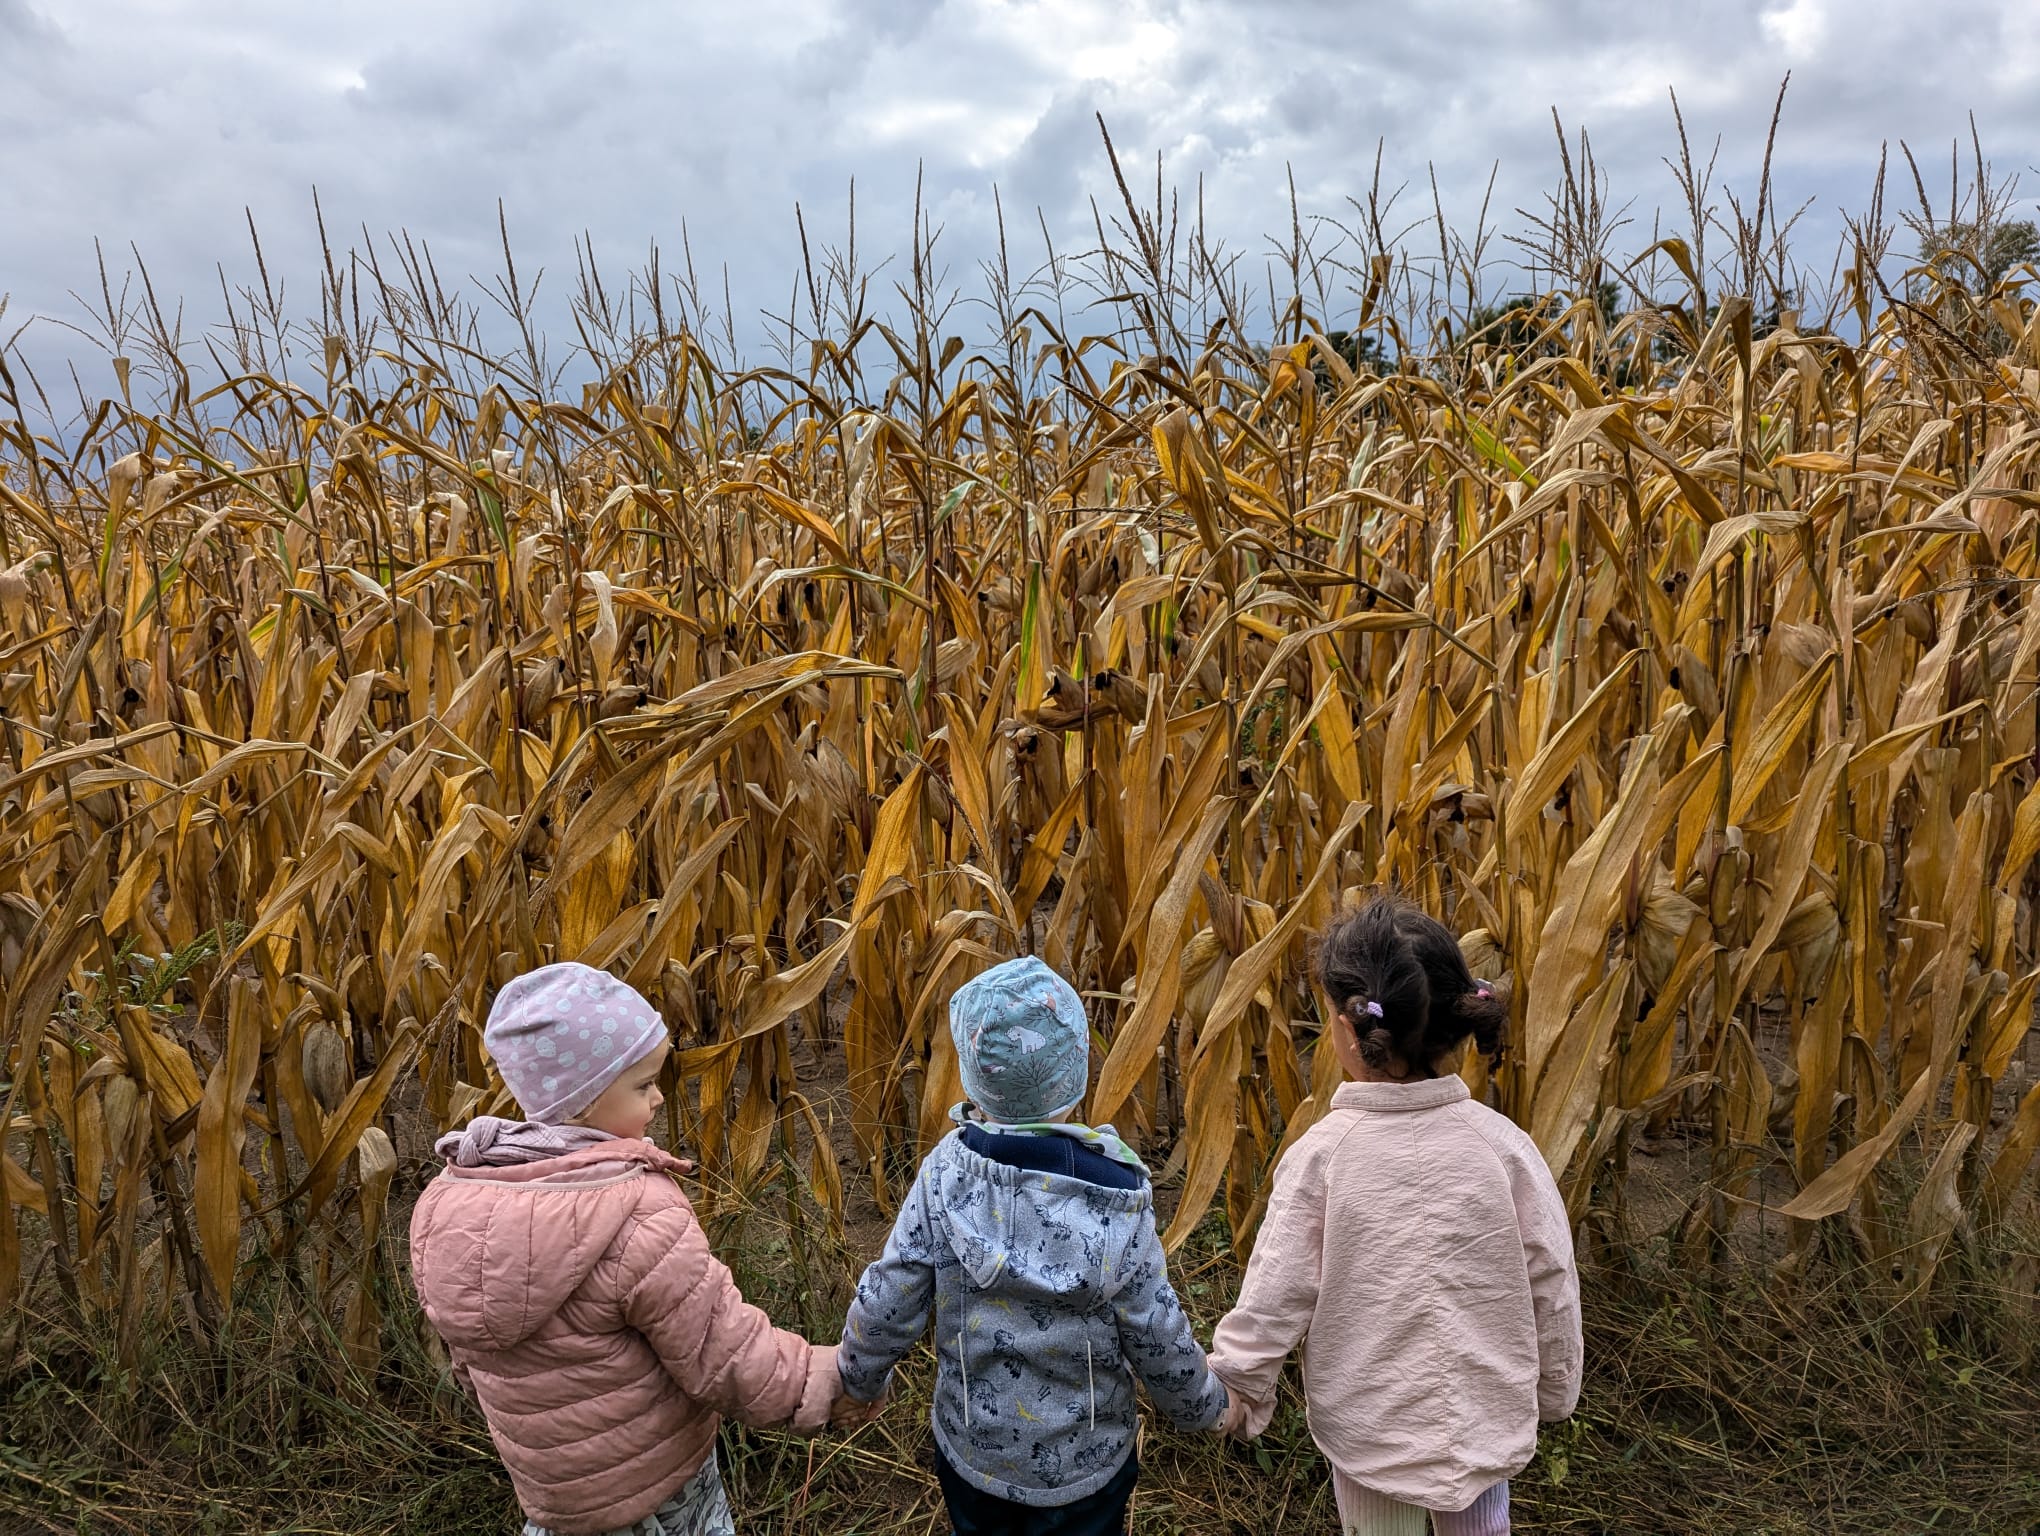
{"points": [[1022, 1042]]}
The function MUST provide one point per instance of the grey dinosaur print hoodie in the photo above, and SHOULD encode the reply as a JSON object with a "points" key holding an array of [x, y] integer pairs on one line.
{"points": [[1050, 1295]]}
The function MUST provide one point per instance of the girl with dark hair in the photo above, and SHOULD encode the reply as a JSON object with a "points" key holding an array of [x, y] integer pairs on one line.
{"points": [[1416, 1243]]}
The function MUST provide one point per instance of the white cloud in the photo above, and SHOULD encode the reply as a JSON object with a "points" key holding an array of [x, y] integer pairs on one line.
{"points": [[1799, 28], [130, 121]]}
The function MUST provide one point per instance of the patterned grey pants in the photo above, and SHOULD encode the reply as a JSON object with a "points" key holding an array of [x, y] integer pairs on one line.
{"points": [[699, 1508]]}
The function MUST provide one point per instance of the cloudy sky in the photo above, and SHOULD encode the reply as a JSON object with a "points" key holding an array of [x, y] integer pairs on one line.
{"points": [[156, 123]]}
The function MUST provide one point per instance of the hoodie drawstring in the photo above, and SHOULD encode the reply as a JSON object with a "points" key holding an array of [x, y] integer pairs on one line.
{"points": [[1091, 1380], [964, 1371]]}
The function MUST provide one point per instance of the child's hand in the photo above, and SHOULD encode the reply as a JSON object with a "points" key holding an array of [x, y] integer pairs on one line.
{"points": [[849, 1413], [1234, 1421]]}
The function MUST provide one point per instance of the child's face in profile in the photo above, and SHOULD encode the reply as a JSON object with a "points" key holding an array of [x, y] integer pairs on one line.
{"points": [[625, 1108]]}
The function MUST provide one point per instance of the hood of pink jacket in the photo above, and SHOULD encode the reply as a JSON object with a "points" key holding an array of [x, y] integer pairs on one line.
{"points": [[540, 1229]]}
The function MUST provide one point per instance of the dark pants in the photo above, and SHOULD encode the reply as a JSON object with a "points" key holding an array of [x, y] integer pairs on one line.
{"points": [[974, 1512]]}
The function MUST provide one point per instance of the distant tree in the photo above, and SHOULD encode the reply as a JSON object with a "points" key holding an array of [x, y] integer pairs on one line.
{"points": [[1515, 323], [1512, 325], [1360, 353], [1667, 346], [1970, 262], [1964, 252]]}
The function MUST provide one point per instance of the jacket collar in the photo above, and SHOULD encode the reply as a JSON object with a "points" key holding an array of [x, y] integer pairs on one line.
{"points": [[960, 1156], [604, 1160], [1432, 1093]]}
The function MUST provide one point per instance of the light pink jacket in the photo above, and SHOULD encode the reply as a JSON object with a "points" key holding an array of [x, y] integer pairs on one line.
{"points": [[1417, 1243], [581, 1305]]}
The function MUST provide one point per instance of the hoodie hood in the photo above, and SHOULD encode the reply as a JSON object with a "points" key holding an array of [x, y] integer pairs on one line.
{"points": [[522, 1238], [1071, 1234]]}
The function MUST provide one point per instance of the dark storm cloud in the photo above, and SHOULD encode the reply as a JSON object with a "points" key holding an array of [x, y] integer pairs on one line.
{"points": [[126, 121]]}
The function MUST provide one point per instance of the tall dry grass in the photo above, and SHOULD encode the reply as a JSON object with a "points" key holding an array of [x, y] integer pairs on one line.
{"points": [[1683, 658]]}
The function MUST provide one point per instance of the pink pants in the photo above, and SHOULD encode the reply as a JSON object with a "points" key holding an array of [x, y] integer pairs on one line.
{"points": [[1363, 1512]]}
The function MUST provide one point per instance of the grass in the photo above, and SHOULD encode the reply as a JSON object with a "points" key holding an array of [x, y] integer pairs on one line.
{"points": [[1722, 1403], [1716, 1402]]}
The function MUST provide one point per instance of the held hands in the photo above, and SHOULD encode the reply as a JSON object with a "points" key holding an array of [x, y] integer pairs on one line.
{"points": [[1236, 1422], [849, 1414]]}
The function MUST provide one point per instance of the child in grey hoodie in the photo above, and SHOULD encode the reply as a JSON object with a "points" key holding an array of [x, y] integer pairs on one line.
{"points": [[1032, 1240]]}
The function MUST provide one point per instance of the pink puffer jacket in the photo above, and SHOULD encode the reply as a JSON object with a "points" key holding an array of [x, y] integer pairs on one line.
{"points": [[582, 1307]]}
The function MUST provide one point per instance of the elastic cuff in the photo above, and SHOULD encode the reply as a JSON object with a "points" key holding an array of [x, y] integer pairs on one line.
{"points": [[819, 1392], [1233, 1419], [855, 1379], [1246, 1418]]}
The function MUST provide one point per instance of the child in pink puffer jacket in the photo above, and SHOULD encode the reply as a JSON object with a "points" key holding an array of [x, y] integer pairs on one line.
{"points": [[576, 1294], [1416, 1242]]}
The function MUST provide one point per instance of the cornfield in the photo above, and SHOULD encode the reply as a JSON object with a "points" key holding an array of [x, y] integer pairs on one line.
{"points": [[1680, 653]]}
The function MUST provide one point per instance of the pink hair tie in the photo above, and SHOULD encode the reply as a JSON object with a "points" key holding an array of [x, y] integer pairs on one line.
{"points": [[1375, 1009]]}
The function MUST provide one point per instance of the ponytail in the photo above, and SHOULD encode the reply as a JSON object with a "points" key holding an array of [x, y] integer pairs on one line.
{"points": [[1400, 982]]}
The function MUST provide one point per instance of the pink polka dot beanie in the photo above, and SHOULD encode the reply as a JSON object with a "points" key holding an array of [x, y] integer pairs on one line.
{"points": [[563, 1033]]}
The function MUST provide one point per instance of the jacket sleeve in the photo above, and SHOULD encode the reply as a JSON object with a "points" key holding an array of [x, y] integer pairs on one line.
{"points": [[894, 1297], [1279, 1293], [422, 1217], [717, 1347], [1554, 1288], [1155, 1336]]}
